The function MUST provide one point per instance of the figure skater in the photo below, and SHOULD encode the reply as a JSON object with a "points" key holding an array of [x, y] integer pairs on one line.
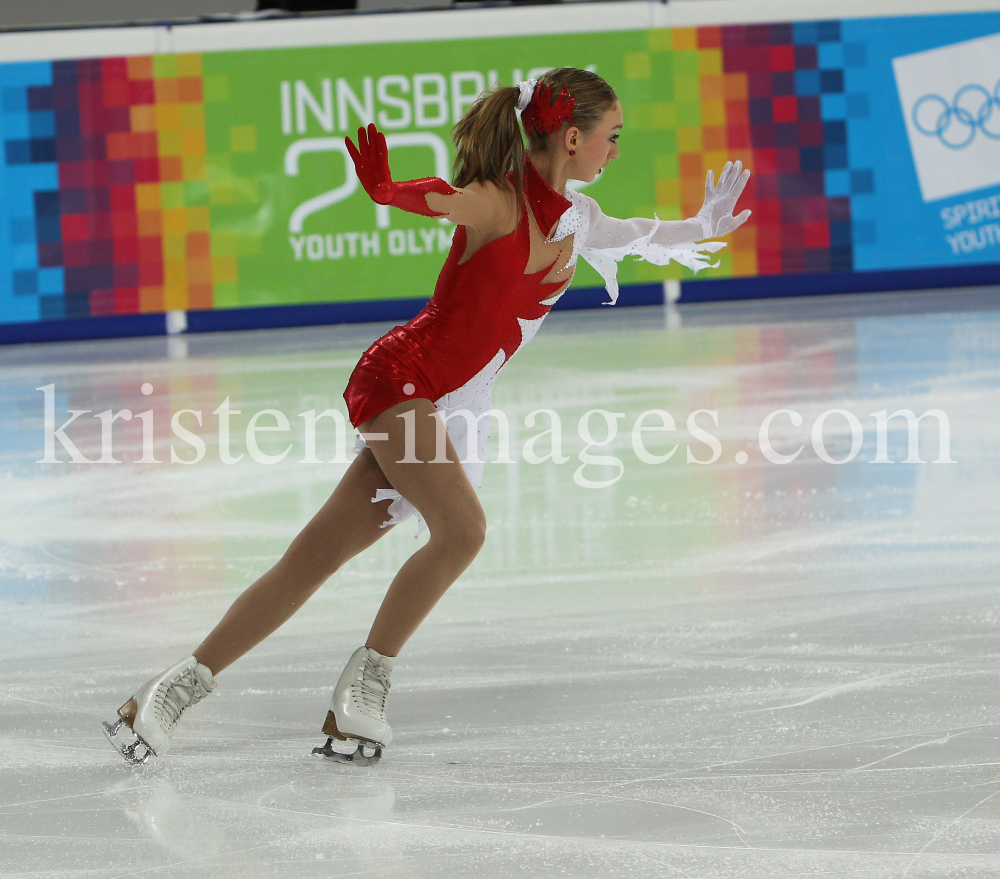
{"points": [[416, 394]]}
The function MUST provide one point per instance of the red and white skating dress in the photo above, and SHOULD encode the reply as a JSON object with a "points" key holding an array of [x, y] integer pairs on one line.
{"points": [[487, 308]]}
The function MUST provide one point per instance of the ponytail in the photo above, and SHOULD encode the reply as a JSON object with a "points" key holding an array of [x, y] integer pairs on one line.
{"points": [[489, 144], [488, 137]]}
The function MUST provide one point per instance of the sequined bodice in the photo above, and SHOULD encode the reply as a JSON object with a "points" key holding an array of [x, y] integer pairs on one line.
{"points": [[482, 306]]}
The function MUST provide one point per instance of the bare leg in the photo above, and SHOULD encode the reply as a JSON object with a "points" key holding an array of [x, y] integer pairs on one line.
{"points": [[447, 501], [344, 526]]}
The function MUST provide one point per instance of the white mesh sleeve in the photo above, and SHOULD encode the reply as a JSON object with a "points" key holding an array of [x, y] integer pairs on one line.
{"points": [[609, 240]]}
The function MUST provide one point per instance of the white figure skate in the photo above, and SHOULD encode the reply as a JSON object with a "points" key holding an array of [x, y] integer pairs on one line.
{"points": [[146, 722], [357, 710]]}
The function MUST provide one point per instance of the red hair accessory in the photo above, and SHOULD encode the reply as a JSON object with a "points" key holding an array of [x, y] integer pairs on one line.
{"points": [[542, 115]]}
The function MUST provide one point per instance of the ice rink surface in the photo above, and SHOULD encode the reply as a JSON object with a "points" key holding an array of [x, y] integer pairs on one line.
{"points": [[702, 670]]}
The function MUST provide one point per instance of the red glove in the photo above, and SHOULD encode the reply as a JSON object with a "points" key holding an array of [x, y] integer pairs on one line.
{"points": [[371, 160]]}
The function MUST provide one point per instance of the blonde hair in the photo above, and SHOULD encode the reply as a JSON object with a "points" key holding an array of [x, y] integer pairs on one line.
{"points": [[593, 97], [488, 140]]}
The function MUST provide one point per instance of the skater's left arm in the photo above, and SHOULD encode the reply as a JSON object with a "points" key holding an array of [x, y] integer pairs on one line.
{"points": [[714, 220], [609, 239]]}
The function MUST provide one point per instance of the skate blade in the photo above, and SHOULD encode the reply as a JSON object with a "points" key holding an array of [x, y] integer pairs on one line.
{"points": [[133, 749], [366, 753]]}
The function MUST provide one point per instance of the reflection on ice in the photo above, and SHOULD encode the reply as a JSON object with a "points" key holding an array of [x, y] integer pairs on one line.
{"points": [[175, 823], [741, 670]]}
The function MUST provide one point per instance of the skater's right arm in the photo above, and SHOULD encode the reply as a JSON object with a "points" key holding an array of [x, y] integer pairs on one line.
{"points": [[478, 206]]}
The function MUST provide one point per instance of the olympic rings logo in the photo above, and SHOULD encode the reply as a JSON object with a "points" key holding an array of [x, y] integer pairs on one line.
{"points": [[973, 109]]}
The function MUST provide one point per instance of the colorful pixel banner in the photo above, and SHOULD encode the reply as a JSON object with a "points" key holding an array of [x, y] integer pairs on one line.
{"points": [[220, 180]]}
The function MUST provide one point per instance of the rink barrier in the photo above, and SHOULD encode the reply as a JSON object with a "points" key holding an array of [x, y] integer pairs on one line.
{"points": [[80, 328], [147, 184], [271, 317], [280, 316], [775, 286], [275, 317], [329, 313]]}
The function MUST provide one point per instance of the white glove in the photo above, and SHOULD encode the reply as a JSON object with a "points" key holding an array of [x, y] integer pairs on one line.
{"points": [[716, 214]]}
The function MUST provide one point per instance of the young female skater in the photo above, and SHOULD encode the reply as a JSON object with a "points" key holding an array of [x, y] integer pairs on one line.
{"points": [[422, 386]]}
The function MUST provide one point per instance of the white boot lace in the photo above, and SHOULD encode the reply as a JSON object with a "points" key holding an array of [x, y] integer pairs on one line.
{"points": [[176, 695], [372, 688]]}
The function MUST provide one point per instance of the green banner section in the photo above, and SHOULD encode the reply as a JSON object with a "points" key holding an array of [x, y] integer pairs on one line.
{"points": [[289, 222]]}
